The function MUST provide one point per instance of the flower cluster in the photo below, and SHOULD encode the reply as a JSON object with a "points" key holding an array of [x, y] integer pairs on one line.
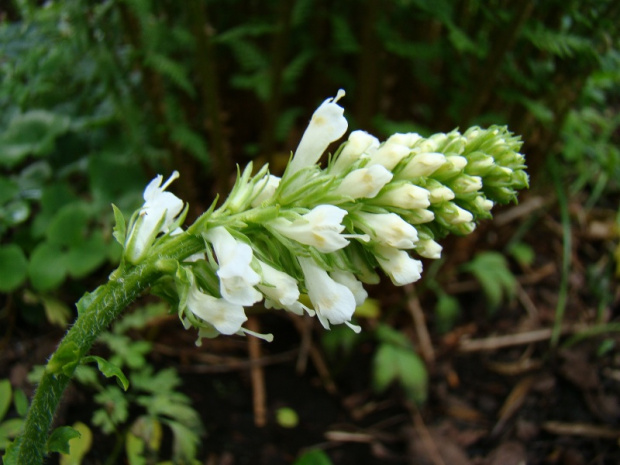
{"points": [[323, 231]]}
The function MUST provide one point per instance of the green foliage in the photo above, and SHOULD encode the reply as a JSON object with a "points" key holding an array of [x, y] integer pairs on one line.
{"points": [[59, 439], [492, 271], [313, 457], [10, 427], [395, 361], [78, 446]]}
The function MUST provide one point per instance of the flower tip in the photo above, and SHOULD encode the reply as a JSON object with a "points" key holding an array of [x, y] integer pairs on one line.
{"points": [[341, 93]]}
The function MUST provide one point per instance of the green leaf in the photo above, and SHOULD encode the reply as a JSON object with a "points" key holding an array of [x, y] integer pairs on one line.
{"points": [[47, 269], [64, 360], [447, 310], [9, 429], [120, 228], [8, 190], [185, 440], [5, 397], [492, 271], [390, 336], [108, 369], [15, 212], [79, 446], [56, 311], [68, 227], [134, 448], [313, 457], [21, 402], [31, 133], [60, 437], [114, 409], [396, 364], [13, 267], [85, 257]]}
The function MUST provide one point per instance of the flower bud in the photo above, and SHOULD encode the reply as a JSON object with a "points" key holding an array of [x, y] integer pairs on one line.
{"points": [[421, 164], [389, 154], [465, 184], [264, 189], [387, 228], [360, 144], [408, 139], [364, 182], [398, 265], [404, 195], [428, 248], [452, 214]]}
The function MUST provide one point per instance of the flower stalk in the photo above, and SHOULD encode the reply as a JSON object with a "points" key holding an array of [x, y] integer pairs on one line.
{"points": [[317, 231]]}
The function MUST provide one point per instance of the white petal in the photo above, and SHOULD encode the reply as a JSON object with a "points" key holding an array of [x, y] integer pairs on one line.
{"points": [[364, 182], [224, 316], [327, 125], [334, 303], [398, 265], [389, 229]]}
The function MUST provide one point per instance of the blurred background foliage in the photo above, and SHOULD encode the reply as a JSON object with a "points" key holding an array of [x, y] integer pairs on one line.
{"points": [[97, 97]]}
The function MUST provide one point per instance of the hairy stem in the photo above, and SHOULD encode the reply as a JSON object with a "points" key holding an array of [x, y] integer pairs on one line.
{"points": [[97, 311]]}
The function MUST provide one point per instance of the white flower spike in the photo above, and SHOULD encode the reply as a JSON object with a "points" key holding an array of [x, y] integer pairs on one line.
{"points": [[398, 265], [327, 125]]}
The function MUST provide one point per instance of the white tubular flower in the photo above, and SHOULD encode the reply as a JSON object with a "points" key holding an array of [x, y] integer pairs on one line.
{"points": [[237, 278], [156, 215], [223, 315], [359, 145], [280, 288], [364, 182], [321, 228], [327, 125], [264, 189], [388, 229], [333, 302], [422, 164], [405, 195], [428, 248], [389, 154], [398, 265], [466, 184], [348, 279], [409, 139]]}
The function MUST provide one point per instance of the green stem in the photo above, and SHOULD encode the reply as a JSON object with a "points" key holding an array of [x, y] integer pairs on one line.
{"points": [[103, 306]]}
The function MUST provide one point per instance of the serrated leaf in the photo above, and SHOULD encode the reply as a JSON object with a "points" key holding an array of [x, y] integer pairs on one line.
{"points": [[13, 267], [185, 440], [79, 446], [113, 411], [60, 437], [108, 369], [6, 392], [47, 268]]}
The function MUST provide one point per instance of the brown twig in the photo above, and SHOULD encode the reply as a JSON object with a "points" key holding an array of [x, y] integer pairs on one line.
{"points": [[424, 338], [427, 439], [510, 340], [257, 375]]}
